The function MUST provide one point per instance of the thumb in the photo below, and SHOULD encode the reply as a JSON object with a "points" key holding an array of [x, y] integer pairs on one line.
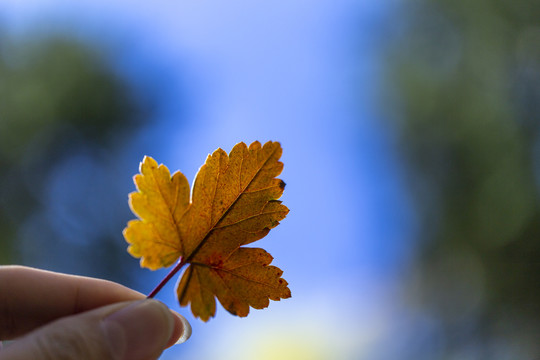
{"points": [[128, 330]]}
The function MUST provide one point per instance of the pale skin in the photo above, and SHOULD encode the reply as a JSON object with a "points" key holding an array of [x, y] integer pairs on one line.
{"points": [[58, 316]]}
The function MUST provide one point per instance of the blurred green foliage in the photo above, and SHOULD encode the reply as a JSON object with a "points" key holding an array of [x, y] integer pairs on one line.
{"points": [[51, 85], [59, 99], [468, 93]]}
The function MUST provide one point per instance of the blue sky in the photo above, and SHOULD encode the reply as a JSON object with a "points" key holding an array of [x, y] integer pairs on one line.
{"points": [[307, 74]]}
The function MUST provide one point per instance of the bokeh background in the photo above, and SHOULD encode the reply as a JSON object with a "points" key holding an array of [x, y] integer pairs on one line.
{"points": [[411, 147]]}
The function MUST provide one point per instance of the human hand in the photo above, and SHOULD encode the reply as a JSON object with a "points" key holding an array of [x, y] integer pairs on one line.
{"points": [[61, 316]]}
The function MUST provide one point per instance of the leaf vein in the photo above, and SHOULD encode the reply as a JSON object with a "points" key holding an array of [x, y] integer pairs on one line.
{"points": [[246, 219], [170, 218], [260, 189], [161, 241], [229, 271]]}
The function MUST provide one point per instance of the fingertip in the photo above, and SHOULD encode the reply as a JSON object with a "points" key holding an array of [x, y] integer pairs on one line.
{"points": [[182, 330]]}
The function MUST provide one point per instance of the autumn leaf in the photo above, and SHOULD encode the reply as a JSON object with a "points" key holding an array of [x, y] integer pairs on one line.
{"points": [[233, 203]]}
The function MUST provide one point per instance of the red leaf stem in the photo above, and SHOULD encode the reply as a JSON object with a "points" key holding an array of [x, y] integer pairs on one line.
{"points": [[166, 279]]}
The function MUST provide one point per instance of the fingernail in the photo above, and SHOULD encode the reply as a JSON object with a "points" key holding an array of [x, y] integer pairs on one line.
{"points": [[140, 330], [186, 328]]}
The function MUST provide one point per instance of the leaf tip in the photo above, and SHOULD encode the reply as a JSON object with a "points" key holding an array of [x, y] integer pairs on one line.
{"points": [[255, 145], [146, 159]]}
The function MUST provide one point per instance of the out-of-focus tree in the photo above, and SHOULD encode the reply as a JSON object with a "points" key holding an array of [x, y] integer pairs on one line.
{"points": [[64, 117], [467, 80]]}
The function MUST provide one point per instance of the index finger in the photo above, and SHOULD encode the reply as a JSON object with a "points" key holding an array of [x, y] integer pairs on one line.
{"points": [[30, 297]]}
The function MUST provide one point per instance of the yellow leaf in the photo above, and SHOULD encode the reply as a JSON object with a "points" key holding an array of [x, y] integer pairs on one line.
{"points": [[234, 203]]}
